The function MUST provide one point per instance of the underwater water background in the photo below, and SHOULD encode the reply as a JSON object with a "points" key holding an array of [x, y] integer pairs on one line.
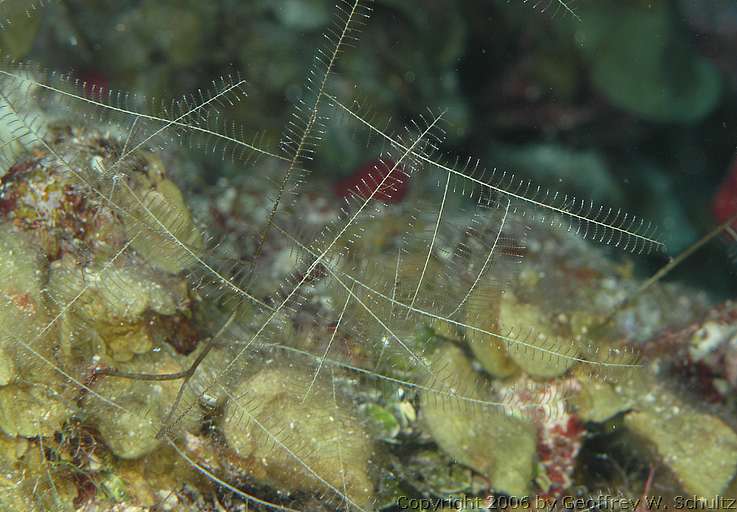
{"points": [[630, 103], [627, 103]]}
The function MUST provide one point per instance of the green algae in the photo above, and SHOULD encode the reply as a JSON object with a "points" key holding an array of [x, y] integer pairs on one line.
{"points": [[119, 302], [599, 401], [29, 482], [78, 295], [111, 315], [483, 312], [22, 262], [542, 352], [131, 428], [22, 277], [527, 339], [162, 232], [268, 429], [32, 410], [499, 446], [700, 449], [386, 423]]}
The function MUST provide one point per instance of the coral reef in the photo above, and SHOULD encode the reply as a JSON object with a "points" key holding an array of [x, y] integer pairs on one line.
{"points": [[526, 402]]}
